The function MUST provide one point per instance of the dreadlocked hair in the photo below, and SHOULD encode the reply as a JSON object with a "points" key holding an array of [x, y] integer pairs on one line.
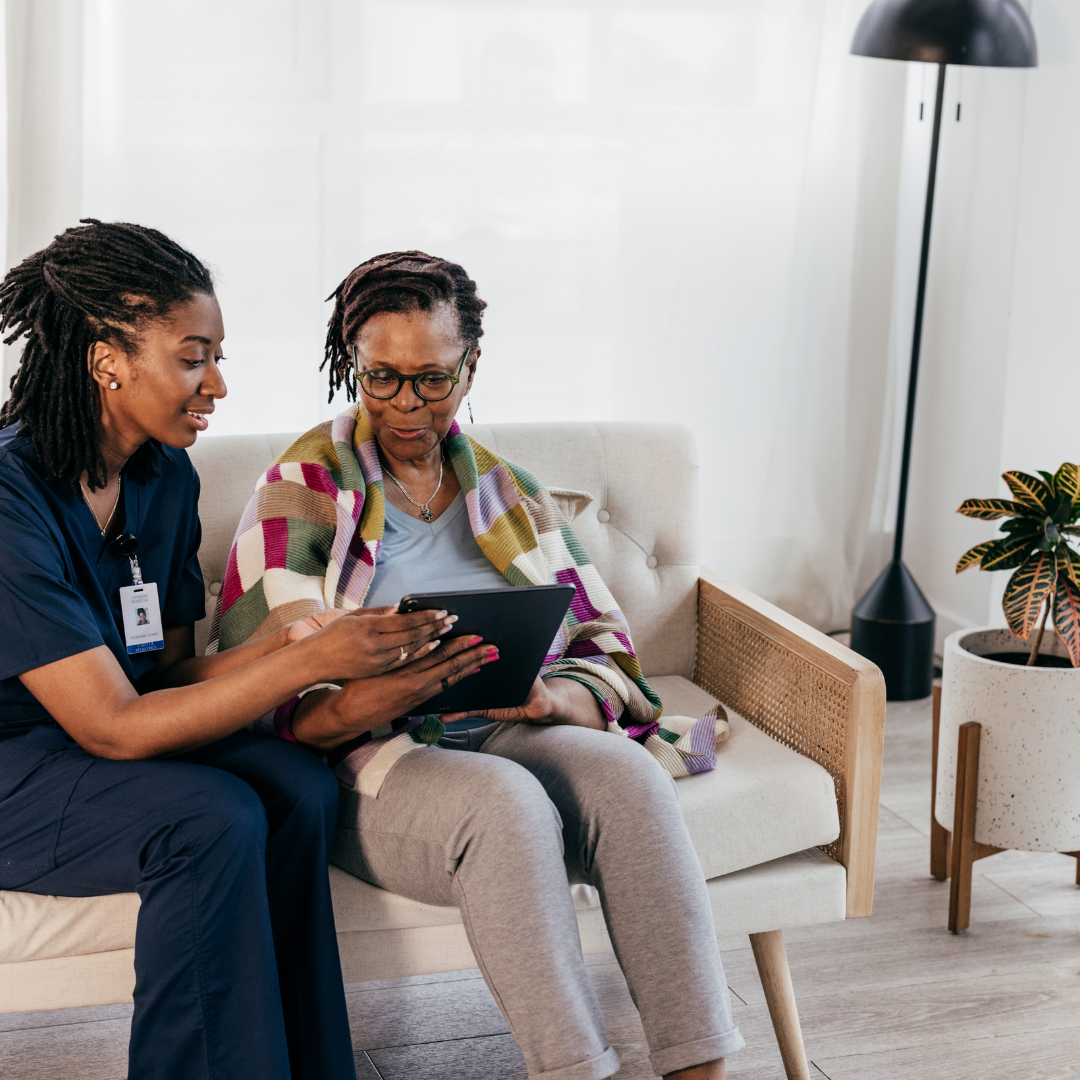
{"points": [[94, 282], [399, 281]]}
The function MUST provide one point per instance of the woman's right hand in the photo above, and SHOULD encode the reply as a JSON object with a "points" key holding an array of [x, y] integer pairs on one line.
{"points": [[327, 718], [372, 641]]}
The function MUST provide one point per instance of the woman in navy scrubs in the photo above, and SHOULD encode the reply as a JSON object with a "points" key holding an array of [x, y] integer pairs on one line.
{"points": [[125, 768]]}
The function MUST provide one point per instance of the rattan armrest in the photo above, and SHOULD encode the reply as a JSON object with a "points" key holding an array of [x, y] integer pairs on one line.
{"points": [[808, 692]]}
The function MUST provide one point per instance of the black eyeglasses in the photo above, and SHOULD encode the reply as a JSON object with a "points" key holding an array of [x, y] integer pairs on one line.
{"points": [[383, 383]]}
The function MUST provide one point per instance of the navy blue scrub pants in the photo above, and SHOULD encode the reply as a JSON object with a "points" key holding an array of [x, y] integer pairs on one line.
{"points": [[236, 964]]}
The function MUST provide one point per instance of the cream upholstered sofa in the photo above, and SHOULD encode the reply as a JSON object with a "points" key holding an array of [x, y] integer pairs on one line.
{"points": [[785, 826]]}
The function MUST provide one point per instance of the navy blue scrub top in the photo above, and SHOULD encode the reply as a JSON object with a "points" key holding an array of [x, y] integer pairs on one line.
{"points": [[59, 583]]}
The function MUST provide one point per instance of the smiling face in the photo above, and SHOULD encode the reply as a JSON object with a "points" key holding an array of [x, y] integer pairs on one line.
{"points": [[406, 426], [165, 390]]}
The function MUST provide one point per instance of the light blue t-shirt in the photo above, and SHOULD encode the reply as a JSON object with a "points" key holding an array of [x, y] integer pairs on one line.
{"points": [[419, 556], [439, 556]]}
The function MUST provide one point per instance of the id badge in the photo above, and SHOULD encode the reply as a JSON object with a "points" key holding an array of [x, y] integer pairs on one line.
{"points": [[142, 618]]}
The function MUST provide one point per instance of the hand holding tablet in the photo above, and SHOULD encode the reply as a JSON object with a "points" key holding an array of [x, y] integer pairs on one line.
{"points": [[520, 621]]}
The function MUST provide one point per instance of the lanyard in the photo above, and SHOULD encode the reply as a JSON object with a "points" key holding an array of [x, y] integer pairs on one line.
{"points": [[138, 602]]}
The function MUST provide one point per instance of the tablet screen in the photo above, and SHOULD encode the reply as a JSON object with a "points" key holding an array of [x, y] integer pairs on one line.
{"points": [[521, 621]]}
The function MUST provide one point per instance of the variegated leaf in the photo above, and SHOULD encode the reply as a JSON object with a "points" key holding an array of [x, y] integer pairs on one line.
{"points": [[1067, 616], [1007, 553], [1067, 481], [1068, 563], [972, 557], [1028, 522], [989, 509], [1027, 490], [1026, 591]]}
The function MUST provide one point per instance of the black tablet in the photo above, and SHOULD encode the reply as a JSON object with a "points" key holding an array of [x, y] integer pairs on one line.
{"points": [[522, 621]]}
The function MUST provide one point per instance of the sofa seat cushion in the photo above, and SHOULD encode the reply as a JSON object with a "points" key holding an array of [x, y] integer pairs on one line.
{"points": [[763, 801], [40, 927]]}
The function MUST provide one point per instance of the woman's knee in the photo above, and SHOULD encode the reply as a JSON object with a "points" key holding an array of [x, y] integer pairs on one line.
{"points": [[512, 797], [211, 808], [596, 776]]}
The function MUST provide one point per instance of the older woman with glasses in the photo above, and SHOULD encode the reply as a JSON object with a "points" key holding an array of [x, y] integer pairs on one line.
{"points": [[390, 498]]}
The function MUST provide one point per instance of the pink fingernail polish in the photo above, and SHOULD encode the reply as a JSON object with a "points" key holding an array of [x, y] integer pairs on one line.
{"points": [[492, 654], [475, 640], [474, 671]]}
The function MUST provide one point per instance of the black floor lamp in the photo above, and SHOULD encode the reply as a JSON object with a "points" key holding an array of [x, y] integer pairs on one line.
{"points": [[893, 624]]}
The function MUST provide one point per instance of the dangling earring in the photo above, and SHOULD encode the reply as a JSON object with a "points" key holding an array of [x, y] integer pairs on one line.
{"points": [[114, 385], [468, 401]]}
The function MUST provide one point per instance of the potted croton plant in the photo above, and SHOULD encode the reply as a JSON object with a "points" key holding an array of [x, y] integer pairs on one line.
{"points": [[1021, 684]]}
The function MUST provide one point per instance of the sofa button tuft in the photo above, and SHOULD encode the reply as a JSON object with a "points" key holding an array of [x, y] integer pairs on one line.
{"points": [[214, 588], [651, 562], [603, 517]]}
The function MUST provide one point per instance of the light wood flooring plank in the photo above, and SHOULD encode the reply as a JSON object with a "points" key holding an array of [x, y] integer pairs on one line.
{"points": [[424, 1013], [1030, 1056], [490, 1058], [64, 1017], [414, 980], [884, 1018], [90, 1051], [365, 1067], [1044, 881]]}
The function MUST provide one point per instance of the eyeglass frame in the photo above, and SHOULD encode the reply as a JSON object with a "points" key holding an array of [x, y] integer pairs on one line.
{"points": [[411, 379]]}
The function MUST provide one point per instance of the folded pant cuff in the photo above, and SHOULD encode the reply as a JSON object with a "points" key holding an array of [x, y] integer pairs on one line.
{"points": [[673, 1058], [597, 1068]]}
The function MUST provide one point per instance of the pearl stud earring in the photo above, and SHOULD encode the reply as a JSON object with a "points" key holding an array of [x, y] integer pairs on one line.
{"points": [[114, 385]]}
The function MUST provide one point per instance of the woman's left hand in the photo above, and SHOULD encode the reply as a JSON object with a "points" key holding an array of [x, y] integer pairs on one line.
{"points": [[313, 623], [551, 701], [538, 709]]}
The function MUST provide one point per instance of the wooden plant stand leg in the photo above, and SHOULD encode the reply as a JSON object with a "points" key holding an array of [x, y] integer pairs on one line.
{"points": [[940, 837], [965, 849], [772, 965]]}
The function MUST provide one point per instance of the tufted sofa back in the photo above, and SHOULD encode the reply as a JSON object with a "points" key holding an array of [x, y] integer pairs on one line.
{"points": [[640, 531]]}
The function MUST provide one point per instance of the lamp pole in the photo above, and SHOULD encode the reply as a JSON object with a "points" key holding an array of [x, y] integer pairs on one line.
{"points": [[893, 624], [920, 304]]}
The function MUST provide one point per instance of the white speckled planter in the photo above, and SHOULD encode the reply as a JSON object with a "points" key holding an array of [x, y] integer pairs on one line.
{"points": [[1029, 752]]}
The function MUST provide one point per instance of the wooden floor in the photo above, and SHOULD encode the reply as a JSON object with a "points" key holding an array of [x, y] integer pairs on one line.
{"points": [[887, 998]]}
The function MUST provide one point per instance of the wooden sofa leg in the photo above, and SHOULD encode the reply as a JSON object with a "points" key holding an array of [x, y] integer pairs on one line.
{"points": [[772, 965], [965, 850], [940, 837]]}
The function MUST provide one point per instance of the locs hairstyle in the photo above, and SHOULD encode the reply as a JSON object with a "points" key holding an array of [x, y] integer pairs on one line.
{"points": [[94, 282], [400, 281]]}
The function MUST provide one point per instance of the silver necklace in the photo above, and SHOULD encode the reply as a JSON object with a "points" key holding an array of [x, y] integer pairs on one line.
{"points": [[116, 502], [424, 507]]}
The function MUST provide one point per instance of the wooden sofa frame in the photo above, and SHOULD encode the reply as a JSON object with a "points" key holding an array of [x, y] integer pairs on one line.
{"points": [[822, 700]]}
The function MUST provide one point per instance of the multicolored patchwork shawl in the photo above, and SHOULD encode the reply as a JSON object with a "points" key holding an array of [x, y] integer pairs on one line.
{"points": [[309, 540]]}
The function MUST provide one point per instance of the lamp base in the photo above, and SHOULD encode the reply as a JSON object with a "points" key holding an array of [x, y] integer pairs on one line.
{"points": [[893, 625]]}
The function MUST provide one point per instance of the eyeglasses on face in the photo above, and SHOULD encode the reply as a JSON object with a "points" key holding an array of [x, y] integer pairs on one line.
{"points": [[385, 383]]}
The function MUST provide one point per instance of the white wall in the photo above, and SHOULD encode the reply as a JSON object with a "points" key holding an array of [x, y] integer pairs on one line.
{"points": [[637, 189], [1001, 370], [713, 188]]}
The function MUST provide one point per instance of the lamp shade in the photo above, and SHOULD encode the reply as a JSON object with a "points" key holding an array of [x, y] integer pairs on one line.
{"points": [[980, 33]]}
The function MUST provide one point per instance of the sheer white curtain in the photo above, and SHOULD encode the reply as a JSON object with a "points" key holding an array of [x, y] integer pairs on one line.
{"points": [[677, 210]]}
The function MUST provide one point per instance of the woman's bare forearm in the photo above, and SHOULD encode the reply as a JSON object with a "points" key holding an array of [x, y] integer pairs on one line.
{"points": [[194, 669], [316, 723], [326, 718], [90, 697]]}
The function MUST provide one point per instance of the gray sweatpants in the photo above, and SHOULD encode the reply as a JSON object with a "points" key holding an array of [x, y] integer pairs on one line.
{"points": [[501, 833]]}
